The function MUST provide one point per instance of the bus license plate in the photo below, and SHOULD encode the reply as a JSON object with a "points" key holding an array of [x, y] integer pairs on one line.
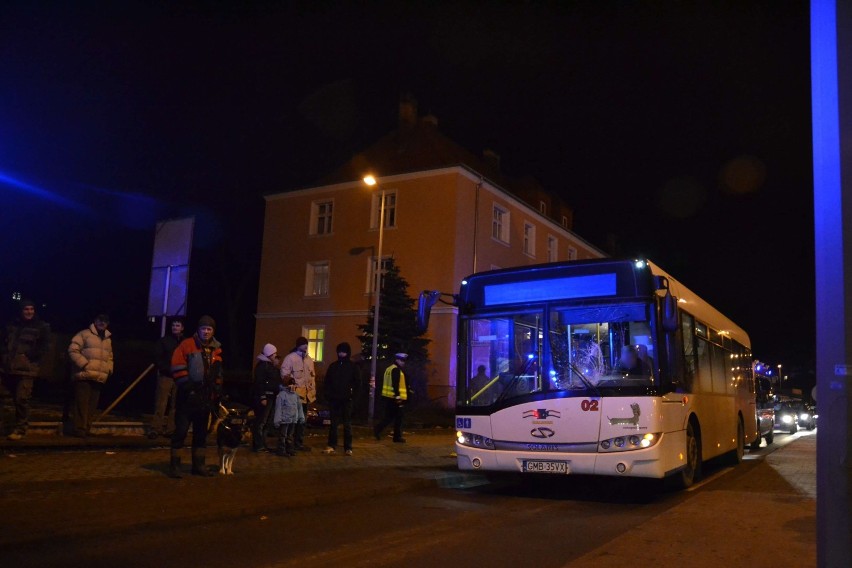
{"points": [[541, 466]]}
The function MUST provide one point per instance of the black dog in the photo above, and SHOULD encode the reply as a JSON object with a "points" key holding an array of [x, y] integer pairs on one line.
{"points": [[230, 423]]}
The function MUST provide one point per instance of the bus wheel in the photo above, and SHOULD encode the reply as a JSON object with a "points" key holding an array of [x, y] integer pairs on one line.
{"points": [[691, 472], [735, 456]]}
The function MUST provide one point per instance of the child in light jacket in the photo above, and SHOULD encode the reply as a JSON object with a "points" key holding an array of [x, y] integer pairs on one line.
{"points": [[288, 413]]}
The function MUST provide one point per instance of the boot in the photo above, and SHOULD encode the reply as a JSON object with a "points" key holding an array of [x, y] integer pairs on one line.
{"points": [[174, 466], [198, 467]]}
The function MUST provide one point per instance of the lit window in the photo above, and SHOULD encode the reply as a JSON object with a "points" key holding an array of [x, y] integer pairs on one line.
{"points": [[565, 221], [390, 209], [542, 207], [316, 279], [529, 239], [552, 248], [500, 224], [316, 340], [572, 253], [321, 217]]}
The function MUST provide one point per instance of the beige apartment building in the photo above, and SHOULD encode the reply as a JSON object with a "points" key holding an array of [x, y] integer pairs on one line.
{"points": [[448, 213]]}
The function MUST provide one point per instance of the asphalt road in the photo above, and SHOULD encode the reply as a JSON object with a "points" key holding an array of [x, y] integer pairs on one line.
{"points": [[387, 506]]}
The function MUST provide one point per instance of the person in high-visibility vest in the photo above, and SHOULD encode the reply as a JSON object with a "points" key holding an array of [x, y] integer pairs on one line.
{"points": [[394, 393]]}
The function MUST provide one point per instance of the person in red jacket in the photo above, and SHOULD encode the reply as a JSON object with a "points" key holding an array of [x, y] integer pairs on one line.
{"points": [[197, 370]]}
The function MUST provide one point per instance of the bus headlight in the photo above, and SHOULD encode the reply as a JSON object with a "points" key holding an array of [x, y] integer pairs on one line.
{"points": [[474, 440], [626, 443]]}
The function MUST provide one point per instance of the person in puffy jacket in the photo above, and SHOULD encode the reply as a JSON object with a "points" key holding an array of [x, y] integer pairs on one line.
{"points": [[90, 352], [289, 413]]}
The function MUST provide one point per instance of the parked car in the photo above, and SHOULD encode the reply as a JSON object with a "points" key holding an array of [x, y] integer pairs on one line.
{"points": [[807, 417], [318, 416], [786, 417], [765, 425]]}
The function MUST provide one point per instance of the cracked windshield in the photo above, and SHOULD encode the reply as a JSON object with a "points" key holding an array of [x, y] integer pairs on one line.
{"points": [[589, 348]]}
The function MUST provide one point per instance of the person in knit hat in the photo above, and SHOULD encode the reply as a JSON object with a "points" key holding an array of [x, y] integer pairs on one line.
{"points": [[24, 344], [263, 393], [197, 370], [299, 366], [341, 384]]}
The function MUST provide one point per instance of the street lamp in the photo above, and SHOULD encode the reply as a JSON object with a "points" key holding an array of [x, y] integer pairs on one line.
{"points": [[371, 181]]}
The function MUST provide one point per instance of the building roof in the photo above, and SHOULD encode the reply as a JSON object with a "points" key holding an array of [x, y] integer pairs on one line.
{"points": [[418, 145]]}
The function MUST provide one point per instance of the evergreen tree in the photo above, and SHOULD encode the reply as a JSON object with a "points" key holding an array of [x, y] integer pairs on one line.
{"points": [[397, 332]]}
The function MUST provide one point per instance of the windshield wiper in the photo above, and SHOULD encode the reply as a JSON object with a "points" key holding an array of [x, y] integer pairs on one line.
{"points": [[515, 379], [586, 381]]}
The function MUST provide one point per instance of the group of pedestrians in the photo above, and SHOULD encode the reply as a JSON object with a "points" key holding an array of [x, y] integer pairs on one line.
{"points": [[24, 345], [189, 384]]}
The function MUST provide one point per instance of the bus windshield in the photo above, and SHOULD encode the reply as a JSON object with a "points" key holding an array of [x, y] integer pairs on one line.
{"points": [[586, 349], [609, 346]]}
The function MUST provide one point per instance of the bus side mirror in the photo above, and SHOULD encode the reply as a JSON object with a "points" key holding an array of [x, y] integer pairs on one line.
{"points": [[669, 316], [428, 298]]}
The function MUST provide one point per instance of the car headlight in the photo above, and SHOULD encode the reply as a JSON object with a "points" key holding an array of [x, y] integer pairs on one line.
{"points": [[804, 416], [786, 419], [474, 440], [626, 443]]}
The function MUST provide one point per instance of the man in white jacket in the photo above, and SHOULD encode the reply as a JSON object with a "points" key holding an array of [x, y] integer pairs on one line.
{"points": [[299, 365]]}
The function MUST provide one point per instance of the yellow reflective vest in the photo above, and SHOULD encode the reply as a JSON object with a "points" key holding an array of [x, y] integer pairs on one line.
{"points": [[387, 386]]}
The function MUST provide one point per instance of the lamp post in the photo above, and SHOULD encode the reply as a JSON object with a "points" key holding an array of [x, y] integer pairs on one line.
{"points": [[371, 181], [780, 378]]}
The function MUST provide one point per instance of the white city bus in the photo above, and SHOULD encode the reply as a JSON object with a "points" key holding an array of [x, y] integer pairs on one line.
{"points": [[603, 367]]}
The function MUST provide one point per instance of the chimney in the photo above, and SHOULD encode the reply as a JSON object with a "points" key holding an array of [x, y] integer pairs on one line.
{"points": [[492, 158], [407, 111]]}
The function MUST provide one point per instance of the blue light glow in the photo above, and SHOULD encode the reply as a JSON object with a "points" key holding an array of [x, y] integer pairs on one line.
{"points": [[38, 192], [596, 285]]}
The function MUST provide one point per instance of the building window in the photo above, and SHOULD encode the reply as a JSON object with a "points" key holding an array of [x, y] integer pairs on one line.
{"points": [[316, 279], [565, 221], [529, 239], [316, 340], [373, 273], [500, 224], [552, 248], [572, 253], [390, 209], [542, 207], [321, 217]]}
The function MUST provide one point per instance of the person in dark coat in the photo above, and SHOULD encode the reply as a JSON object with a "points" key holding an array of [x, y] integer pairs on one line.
{"points": [[265, 388], [341, 384], [23, 346], [163, 423]]}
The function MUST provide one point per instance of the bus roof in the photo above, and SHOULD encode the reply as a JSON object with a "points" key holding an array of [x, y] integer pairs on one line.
{"points": [[692, 303], [625, 279]]}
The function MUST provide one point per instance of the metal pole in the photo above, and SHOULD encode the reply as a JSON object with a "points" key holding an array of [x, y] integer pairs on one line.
{"points": [[166, 301], [372, 402], [127, 390]]}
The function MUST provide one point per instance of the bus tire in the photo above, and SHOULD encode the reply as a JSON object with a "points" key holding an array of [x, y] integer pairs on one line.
{"points": [[735, 456], [691, 472]]}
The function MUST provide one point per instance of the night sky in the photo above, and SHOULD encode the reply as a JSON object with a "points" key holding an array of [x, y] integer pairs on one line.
{"points": [[679, 131]]}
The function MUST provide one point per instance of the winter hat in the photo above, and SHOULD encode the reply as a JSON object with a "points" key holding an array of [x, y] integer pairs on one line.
{"points": [[207, 321], [27, 303], [301, 341], [401, 356], [103, 317], [344, 348], [267, 352]]}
